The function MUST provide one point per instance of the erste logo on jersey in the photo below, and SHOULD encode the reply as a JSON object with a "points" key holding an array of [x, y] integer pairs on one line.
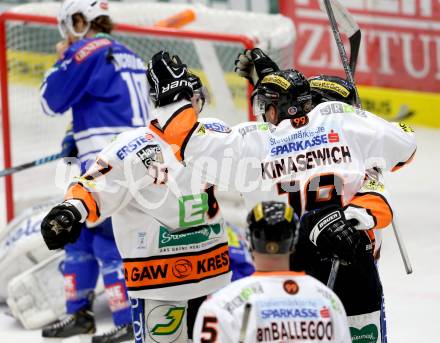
{"points": [[133, 145], [217, 127]]}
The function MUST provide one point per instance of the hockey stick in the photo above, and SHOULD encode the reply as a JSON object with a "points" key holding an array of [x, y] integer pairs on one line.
{"points": [[28, 165], [245, 322], [348, 25], [333, 273], [343, 14], [404, 113]]}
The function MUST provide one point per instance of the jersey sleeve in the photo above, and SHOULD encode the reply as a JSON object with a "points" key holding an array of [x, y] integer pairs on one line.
{"points": [[215, 154], [71, 77], [386, 146], [109, 184], [370, 204], [213, 324]]}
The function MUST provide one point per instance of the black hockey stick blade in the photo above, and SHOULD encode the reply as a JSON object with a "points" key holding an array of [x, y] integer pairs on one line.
{"points": [[28, 165], [355, 43]]}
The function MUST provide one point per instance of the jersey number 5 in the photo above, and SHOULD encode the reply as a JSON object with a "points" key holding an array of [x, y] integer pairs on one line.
{"points": [[209, 330]]}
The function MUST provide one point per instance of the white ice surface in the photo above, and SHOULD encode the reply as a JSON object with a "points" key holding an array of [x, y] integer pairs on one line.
{"points": [[412, 300]]}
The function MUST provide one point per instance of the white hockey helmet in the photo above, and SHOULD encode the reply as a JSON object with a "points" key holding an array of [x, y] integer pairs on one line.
{"points": [[90, 9]]}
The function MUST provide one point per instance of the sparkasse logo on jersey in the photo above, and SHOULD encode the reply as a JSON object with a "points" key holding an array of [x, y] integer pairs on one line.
{"points": [[289, 313], [331, 137]]}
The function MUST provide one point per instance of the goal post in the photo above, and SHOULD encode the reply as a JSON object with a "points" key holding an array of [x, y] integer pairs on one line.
{"points": [[209, 45]]}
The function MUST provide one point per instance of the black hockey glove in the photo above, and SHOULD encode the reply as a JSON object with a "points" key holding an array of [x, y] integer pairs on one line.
{"points": [[332, 234], [61, 226], [254, 65], [168, 79]]}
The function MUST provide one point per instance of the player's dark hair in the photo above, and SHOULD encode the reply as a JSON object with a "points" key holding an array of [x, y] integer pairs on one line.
{"points": [[101, 24]]}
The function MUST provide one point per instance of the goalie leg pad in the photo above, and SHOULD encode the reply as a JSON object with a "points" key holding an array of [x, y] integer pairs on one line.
{"points": [[33, 300], [113, 276]]}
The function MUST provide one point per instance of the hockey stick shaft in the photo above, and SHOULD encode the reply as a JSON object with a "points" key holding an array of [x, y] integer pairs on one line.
{"points": [[341, 49], [343, 55], [32, 164], [402, 248], [333, 273], [245, 322]]}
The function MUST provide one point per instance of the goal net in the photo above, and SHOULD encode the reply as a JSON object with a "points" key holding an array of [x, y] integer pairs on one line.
{"points": [[209, 43]]}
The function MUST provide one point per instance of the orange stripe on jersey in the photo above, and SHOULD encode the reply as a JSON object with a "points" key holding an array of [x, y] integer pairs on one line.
{"points": [[401, 164], [177, 131], [376, 205], [172, 270], [78, 192]]}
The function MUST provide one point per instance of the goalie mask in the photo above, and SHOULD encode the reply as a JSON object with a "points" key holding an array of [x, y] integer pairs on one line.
{"points": [[272, 228], [288, 91], [331, 88], [90, 9]]}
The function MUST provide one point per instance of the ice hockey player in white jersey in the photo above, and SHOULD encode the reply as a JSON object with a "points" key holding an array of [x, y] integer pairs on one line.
{"points": [[274, 304], [171, 238], [310, 158]]}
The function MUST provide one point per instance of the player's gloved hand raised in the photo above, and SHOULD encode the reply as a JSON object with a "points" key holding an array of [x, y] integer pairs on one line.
{"points": [[68, 145], [254, 65], [61, 226], [332, 233], [168, 79]]}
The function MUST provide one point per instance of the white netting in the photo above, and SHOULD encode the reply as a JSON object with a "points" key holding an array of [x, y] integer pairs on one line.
{"points": [[30, 52]]}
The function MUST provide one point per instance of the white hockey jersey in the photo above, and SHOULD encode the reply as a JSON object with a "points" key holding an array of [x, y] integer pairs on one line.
{"points": [[169, 230], [284, 307], [323, 161]]}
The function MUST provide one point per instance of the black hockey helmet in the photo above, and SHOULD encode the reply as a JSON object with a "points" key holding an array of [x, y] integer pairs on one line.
{"points": [[331, 88], [287, 90], [272, 228]]}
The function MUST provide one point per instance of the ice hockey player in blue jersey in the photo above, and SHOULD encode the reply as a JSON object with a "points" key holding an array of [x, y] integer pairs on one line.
{"points": [[104, 85], [240, 258]]}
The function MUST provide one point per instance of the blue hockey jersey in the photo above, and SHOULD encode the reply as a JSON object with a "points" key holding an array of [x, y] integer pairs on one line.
{"points": [[240, 258], [104, 84]]}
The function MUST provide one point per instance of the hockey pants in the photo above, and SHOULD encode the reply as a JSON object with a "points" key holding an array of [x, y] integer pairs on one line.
{"points": [[96, 249], [357, 285]]}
